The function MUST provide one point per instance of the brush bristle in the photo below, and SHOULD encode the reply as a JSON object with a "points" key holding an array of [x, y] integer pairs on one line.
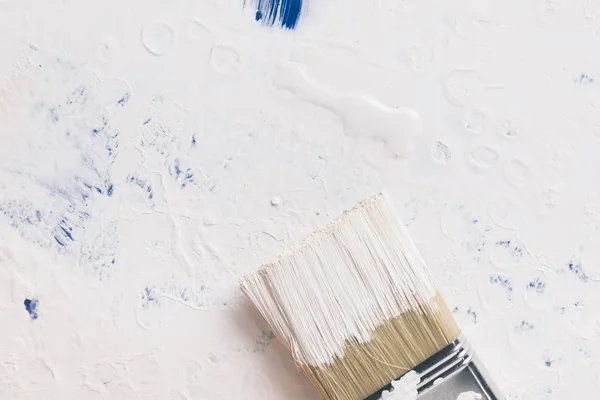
{"points": [[354, 304]]}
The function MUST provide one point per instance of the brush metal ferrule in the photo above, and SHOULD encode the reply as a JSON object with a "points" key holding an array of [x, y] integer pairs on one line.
{"points": [[448, 373]]}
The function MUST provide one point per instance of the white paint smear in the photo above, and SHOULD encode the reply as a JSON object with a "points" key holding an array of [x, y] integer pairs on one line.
{"points": [[469, 396], [405, 388]]}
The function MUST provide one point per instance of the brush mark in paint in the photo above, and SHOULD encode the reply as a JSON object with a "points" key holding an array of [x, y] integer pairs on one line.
{"points": [[285, 12]]}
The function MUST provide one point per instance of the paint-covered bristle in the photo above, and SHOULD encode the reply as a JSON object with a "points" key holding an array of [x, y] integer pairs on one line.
{"points": [[354, 304]]}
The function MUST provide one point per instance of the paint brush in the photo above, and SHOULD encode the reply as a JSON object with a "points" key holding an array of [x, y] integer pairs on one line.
{"points": [[358, 310]]}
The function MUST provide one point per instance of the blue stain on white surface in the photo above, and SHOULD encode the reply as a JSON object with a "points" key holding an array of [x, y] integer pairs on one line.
{"points": [[584, 79], [31, 305], [568, 308], [503, 282], [524, 326], [184, 177], [576, 270], [285, 13], [469, 312], [515, 251], [124, 99], [168, 144], [142, 184], [149, 297], [59, 160], [537, 284]]}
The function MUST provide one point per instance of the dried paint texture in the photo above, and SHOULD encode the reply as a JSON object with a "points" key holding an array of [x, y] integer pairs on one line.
{"points": [[496, 183]]}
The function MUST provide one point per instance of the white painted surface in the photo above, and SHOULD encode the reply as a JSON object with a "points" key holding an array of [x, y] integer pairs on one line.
{"points": [[497, 182]]}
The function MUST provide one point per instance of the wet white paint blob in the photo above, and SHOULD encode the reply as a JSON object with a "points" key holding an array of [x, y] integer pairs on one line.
{"points": [[157, 38], [469, 396], [276, 201], [483, 157], [517, 173], [441, 153], [589, 258], [224, 58], [405, 388], [361, 115]]}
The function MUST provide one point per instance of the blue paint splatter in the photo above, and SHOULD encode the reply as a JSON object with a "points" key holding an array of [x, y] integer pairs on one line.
{"points": [[285, 12], [584, 79], [576, 269], [78, 123], [524, 326], [537, 284], [548, 363], [469, 311], [503, 282], [473, 314], [184, 178], [124, 99], [141, 184], [148, 295], [515, 251], [193, 140], [31, 305]]}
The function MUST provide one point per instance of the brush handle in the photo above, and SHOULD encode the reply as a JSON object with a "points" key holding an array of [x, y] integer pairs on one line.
{"points": [[449, 372]]}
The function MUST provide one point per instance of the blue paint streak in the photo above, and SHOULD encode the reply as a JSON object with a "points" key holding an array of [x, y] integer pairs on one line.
{"points": [[123, 100], [285, 12], [53, 115], [31, 305], [66, 232], [141, 184]]}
